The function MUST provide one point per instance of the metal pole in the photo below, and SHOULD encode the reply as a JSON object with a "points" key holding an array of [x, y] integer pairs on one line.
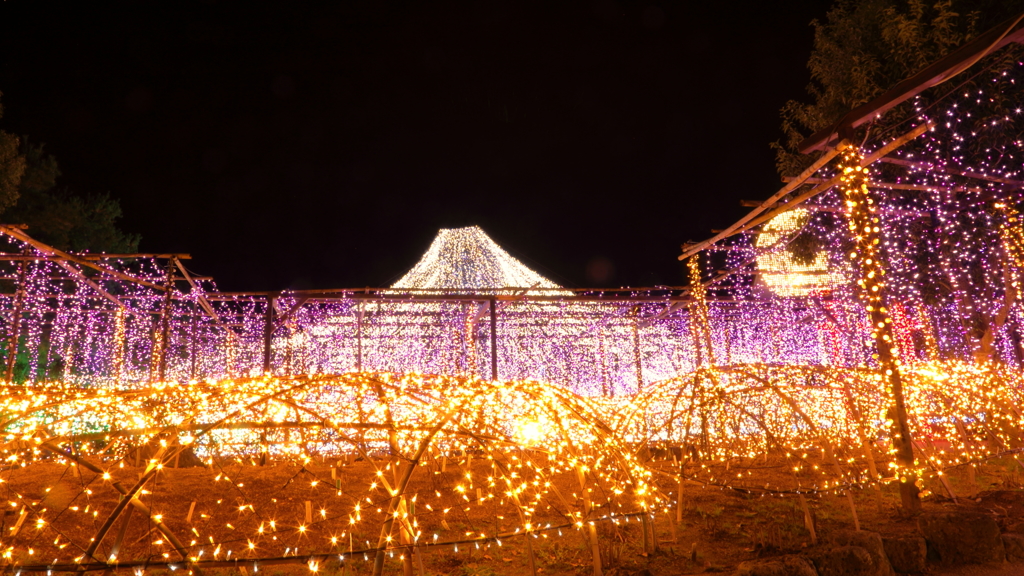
{"points": [[494, 338], [268, 332]]}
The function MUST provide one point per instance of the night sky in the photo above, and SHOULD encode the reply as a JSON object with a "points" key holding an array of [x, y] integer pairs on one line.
{"points": [[314, 145]]}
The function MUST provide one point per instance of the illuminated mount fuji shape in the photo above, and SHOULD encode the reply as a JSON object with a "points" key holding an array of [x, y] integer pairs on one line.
{"points": [[467, 260]]}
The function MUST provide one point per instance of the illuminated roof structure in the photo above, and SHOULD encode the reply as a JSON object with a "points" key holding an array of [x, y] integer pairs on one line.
{"points": [[467, 259]]}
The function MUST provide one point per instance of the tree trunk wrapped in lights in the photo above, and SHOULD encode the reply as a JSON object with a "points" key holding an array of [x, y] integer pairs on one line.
{"points": [[865, 226]]}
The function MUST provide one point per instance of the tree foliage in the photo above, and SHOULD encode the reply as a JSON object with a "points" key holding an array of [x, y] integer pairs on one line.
{"points": [[12, 166], [57, 216], [866, 47]]}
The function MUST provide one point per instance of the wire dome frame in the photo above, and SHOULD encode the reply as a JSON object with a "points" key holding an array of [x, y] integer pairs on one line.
{"points": [[415, 447], [833, 423]]}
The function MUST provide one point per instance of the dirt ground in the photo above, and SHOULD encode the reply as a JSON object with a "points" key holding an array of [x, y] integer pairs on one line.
{"points": [[209, 508]]}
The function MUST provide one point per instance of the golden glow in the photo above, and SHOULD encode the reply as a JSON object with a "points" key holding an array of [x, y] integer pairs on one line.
{"points": [[780, 271]]}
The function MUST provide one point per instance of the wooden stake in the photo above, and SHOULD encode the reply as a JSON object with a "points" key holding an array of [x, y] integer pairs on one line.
{"points": [[15, 336], [595, 547], [679, 501], [21, 520], [853, 510], [643, 531], [116, 547], [191, 509], [808, 520], [529, 550]]}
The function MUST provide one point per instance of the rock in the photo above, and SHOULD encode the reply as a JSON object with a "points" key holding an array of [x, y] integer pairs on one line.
{"points": [[1014, 546], [870, 541], [1005, 505], [843, 561], [781, 566], [906, 555], [962, 537]]}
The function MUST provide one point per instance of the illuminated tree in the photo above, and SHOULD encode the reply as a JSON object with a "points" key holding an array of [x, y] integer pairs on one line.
{"points": [[865, 47]]}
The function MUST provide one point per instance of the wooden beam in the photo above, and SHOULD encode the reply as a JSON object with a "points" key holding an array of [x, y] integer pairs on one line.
{"points": [[885, 210], [947, 170], [904, 186], [785, 190], [281, 319], [87, 256], [99, 289], [16, 233], [201, 297], [822, 187], [954, 63]]}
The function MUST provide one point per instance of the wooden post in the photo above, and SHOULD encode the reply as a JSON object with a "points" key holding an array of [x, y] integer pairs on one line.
{"points": [[637, 358], [405, 536], [494, 338], [118, 540], [865, 229], [192, 342], [268, 333], [19, 304], [359, 337], [164, 337]]}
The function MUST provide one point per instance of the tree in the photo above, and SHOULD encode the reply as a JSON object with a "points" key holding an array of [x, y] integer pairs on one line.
{"points": [[867, 46], [864, 48], [12, 166], [57, 216]]}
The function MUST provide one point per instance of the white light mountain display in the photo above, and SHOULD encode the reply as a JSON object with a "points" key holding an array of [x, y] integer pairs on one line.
{"points": [[467, 259]]}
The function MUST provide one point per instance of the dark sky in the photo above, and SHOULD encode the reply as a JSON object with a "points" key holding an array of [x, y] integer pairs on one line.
{"points": [[302, 144]]}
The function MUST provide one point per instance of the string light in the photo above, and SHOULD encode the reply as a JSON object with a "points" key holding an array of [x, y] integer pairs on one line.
{"points": [[467, 259], [780, 271], [526, 404]]}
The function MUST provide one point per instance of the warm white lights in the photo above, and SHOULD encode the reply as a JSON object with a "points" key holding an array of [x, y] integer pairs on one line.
{"points": [[467, 259], [780, 271]]}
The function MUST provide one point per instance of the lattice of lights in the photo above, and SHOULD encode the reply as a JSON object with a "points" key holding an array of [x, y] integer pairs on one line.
{"points": [[782, 274], [468, 259]]}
